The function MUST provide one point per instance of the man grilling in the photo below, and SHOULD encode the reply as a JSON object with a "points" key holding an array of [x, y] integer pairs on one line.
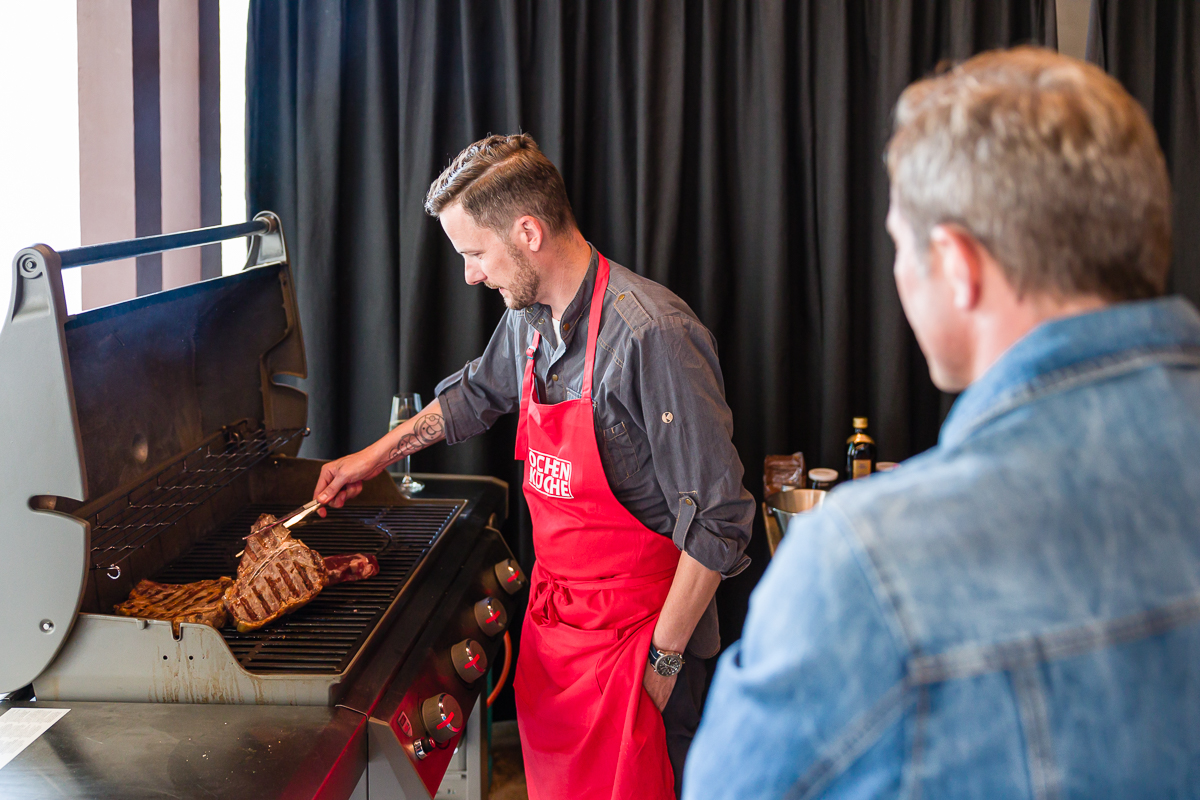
{"points": [[633, 484]]}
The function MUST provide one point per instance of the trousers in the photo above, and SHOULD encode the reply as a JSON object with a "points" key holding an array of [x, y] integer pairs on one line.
{"points": [[681, 717]]}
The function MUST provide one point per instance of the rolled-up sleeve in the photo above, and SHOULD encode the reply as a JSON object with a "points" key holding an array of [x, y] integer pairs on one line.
{"points": [[486, 389], [690, 428]]}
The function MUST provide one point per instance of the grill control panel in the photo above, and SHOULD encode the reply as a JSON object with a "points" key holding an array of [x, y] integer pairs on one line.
{"points": [[427, 722]]}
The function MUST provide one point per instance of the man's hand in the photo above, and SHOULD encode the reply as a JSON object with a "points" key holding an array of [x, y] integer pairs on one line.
{"points": [[693, 587], [658, 687], [342, 480]]}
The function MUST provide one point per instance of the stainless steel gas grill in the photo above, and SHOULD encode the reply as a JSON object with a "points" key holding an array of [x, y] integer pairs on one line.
{"points": [[141, 441]]}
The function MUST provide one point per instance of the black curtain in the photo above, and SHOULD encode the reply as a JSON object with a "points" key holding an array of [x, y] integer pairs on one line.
{"points": [[1153, 48], [731, 150]]}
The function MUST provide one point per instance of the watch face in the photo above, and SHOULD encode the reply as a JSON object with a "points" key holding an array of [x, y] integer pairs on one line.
{"points": [[668, 664]]}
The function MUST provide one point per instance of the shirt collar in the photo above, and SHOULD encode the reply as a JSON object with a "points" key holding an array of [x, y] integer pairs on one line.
{"points": [[1069, 345], [578, 305]]}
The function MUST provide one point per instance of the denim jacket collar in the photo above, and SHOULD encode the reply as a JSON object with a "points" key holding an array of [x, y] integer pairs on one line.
{"points": [[1078, 346]]}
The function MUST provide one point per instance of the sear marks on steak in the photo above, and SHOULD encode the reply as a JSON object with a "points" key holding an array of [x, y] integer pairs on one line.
{"points": [[202, 601], [277, 575], [353, 567]]}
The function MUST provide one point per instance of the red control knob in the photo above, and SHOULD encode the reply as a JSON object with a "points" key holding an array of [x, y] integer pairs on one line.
{"points": [[508, 572], [491, 616], [443, 718], [470, 662]]}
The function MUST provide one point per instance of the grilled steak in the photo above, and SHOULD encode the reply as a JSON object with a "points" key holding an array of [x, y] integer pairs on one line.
{"points": [[277, 575], [347, 568], [202, 601]]}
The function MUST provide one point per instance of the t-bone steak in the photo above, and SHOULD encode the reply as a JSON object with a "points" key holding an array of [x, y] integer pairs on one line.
{"points": [[277, 575], [351, 567], [202, 601]]}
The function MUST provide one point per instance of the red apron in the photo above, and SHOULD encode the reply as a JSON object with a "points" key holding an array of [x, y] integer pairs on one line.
{"points": [[588, 728]]}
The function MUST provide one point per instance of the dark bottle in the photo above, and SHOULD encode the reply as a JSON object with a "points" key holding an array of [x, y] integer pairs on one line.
{"points": [[860, 455]]}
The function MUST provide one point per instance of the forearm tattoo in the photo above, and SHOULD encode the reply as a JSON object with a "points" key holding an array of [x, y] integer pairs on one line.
{"points": [[427, 430]]}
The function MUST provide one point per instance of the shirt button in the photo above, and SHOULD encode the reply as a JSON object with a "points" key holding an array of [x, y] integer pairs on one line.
{"points": [[553, 377], [621, 296], [667, 417], [566, 327], [688, 500]]}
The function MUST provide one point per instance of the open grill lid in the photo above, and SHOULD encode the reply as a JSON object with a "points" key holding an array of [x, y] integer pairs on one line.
{"points": [[95, 404]]}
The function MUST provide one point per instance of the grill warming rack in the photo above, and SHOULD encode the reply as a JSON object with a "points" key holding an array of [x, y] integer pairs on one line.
{"points": [[124, 524]]}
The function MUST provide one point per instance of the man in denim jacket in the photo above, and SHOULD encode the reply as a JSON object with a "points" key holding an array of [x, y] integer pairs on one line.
{"points": [[1016, 612]]}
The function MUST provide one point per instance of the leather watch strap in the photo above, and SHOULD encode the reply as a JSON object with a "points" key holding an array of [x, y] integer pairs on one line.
{"points": [[655, 654]]}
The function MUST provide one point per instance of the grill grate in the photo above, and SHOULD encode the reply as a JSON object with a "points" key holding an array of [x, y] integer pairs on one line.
{"points": [[324, 635], [123, 525]]}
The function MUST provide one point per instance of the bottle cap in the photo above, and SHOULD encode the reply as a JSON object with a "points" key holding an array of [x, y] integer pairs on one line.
{"points": [[823, 475], [860, 422]]}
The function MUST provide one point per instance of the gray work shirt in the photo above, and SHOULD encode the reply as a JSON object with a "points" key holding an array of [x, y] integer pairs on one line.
{"points": [[663, 427]]}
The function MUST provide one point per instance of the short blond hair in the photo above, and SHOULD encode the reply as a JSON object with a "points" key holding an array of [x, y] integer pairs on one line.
{"points": [[1048, 162]]}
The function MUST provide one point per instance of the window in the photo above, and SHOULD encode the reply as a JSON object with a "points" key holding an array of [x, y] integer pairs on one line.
{"points": [[39, 140], [40, 91]]}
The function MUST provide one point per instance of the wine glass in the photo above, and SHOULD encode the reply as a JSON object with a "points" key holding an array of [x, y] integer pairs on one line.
{"points": [[405, 407]]}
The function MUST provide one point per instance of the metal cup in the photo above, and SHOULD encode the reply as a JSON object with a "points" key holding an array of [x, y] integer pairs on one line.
{"points": [[786, 505]]}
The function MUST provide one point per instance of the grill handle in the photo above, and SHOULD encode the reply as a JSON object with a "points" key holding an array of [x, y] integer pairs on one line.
{"points": [[264, 223]]}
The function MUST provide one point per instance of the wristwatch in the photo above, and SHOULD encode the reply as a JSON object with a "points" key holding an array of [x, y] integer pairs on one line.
{"points": [[665, 662]]}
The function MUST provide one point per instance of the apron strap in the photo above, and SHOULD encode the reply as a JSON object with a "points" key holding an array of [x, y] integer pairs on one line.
{"points": [[527, 386], [522, 445], [594, 324]]}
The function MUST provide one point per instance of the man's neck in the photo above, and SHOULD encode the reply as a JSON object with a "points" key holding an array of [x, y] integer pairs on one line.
{"points": [[566, 267], [1002, 331]]}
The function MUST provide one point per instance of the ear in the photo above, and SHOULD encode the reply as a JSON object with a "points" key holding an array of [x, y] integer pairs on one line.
{"points": [[959, 254], [528, 231]]}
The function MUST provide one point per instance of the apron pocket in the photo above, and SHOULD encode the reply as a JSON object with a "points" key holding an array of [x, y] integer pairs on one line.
{"points": [[636, 637], [581, 636]]}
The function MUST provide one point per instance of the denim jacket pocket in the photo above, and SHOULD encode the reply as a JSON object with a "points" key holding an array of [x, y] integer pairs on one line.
{"points": [[618, 454]]}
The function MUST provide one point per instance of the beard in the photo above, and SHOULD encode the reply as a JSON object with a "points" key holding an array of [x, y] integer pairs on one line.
{"points": [[526, 284]]}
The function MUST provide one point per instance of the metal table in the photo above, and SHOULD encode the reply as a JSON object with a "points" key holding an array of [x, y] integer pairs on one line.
{"points": [[161, 750]]}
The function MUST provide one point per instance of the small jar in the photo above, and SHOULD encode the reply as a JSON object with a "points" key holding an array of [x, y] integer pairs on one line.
{"points": [[822, 478]]}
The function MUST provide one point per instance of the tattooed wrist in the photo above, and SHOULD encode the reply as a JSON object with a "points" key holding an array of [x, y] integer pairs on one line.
{"points": [[427, 429]]}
